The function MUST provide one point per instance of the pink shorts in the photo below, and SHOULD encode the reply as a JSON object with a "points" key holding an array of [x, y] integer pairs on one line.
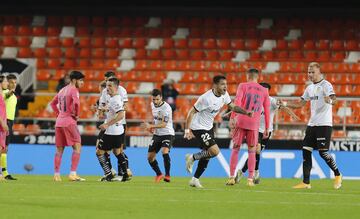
{"points": [[251, 136], [2, 140], [67, 136]]}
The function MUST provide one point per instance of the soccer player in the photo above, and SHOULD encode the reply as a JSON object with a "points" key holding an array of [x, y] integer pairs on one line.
{"points": [[318, 132], [254, 97], [104, 98], [66, 105], [10, 102], [4, 129], [113, 132], [199, 125], [262, 142], [163, 134]]}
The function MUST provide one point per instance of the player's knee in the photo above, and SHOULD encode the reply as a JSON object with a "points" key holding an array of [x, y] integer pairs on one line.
{"points": [[306, 148], [151, 157]]}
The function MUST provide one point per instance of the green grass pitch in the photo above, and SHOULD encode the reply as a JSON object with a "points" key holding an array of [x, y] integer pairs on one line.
{"points": [[39, 197]]}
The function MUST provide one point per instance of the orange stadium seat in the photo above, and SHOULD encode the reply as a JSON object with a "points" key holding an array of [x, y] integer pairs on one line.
{"points": [[53, 63], [43, 75], [281, 44], [84, 42], [309, 45], [53, 42], [168, 54], [55, 52], [9, 30], [24, 41], [24, 53], [67, 42], [209, 44], [24, 30], [53, 31], [182, 54], [195, 44], [139, 43], [352, 45], [239, 44], [224, 44], [69, 63], [112, 53], [98, 42], [71, 53], [38, 31], [9, 41], [32, 129], [98, 53]]}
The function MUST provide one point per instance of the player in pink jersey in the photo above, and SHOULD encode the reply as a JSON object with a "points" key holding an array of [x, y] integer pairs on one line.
{"points": [[4, 129], [66, 105], [250, 96]]}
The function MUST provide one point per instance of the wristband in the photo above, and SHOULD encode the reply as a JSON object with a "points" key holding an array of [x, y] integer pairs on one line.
{"points": [[187, 131]]}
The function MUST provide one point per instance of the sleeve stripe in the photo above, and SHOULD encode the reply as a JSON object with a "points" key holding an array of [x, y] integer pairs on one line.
{"points": [[196, 109], [120, 111]]}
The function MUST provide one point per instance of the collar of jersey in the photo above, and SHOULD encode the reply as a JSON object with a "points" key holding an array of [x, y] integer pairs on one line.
{"points": [[212, 90], [160, 104], [319, 81]]}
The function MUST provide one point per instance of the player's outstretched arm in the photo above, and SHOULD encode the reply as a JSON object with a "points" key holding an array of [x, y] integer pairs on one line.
{"points": [[292, 105], [237, 109]]}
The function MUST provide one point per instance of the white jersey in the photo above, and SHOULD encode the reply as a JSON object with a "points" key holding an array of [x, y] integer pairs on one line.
{"points": [[160, 112], [115, 105], [104, 98], [321, 112], [208, 106], [273, 108]]}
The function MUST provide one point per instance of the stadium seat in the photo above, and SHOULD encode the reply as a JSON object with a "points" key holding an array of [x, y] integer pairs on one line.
{"points": [[24, 42], [9, 41], [71, 53], [55, 52], [18, 129], [24, 53], [53, 42], [9, 30], [53, 31], [240, 44], [32, 129], [38, 31], [67, 42], [98, 42], [24, 30], [224, 44]]}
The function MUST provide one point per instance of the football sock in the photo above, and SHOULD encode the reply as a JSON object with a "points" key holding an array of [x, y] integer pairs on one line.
{"points": [[57, 162], [127, 161], [245, 167], [75, 158], [201, 167], [167, 164], [257, 156], [4, 164], [104, 165], [233, 160], [202, 154], [122, 163], [108, 160], [155, 166], [330, 161], [251, 163], [307, 165]]}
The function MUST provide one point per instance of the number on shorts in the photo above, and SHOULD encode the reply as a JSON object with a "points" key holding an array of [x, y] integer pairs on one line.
{"points": [[205, 137]]}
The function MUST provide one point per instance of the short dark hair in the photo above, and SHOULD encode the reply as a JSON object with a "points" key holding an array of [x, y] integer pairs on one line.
{"points": [[253, 70], [156, 92], [266, 85], [11, 77], [218, 78], [114, 80], [109, 74], [103, 84], [2, 77], [77, 75]]}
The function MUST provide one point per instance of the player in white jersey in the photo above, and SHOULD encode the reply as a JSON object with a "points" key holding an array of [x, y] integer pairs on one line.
{"points": [[318, 132], [262, 142], [104, 98], [199, 125], [113, 132], [163, 137]]}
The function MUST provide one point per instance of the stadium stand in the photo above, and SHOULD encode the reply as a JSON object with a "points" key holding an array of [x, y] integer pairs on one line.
{"points": [[146, 50]]}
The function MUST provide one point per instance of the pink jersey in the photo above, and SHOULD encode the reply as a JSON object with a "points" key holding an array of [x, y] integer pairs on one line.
{"points": [[252, 96], [2, 111], [66, 105]]}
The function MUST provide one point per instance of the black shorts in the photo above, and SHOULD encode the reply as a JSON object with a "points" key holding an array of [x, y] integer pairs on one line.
{"points": [[161, 141], [10, 124], [317, 137], [205, 137], [110, 142], [263, 142]]}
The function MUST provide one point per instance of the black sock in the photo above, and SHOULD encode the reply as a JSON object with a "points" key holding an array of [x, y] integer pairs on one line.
{"points": [[167, 164], [307, 165], [201, 167], [104, 165], [154, 165], [108, 161], [122, 164], [202, 155], [330, 161], [257, 161], [245, 167], [127, 161]]}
